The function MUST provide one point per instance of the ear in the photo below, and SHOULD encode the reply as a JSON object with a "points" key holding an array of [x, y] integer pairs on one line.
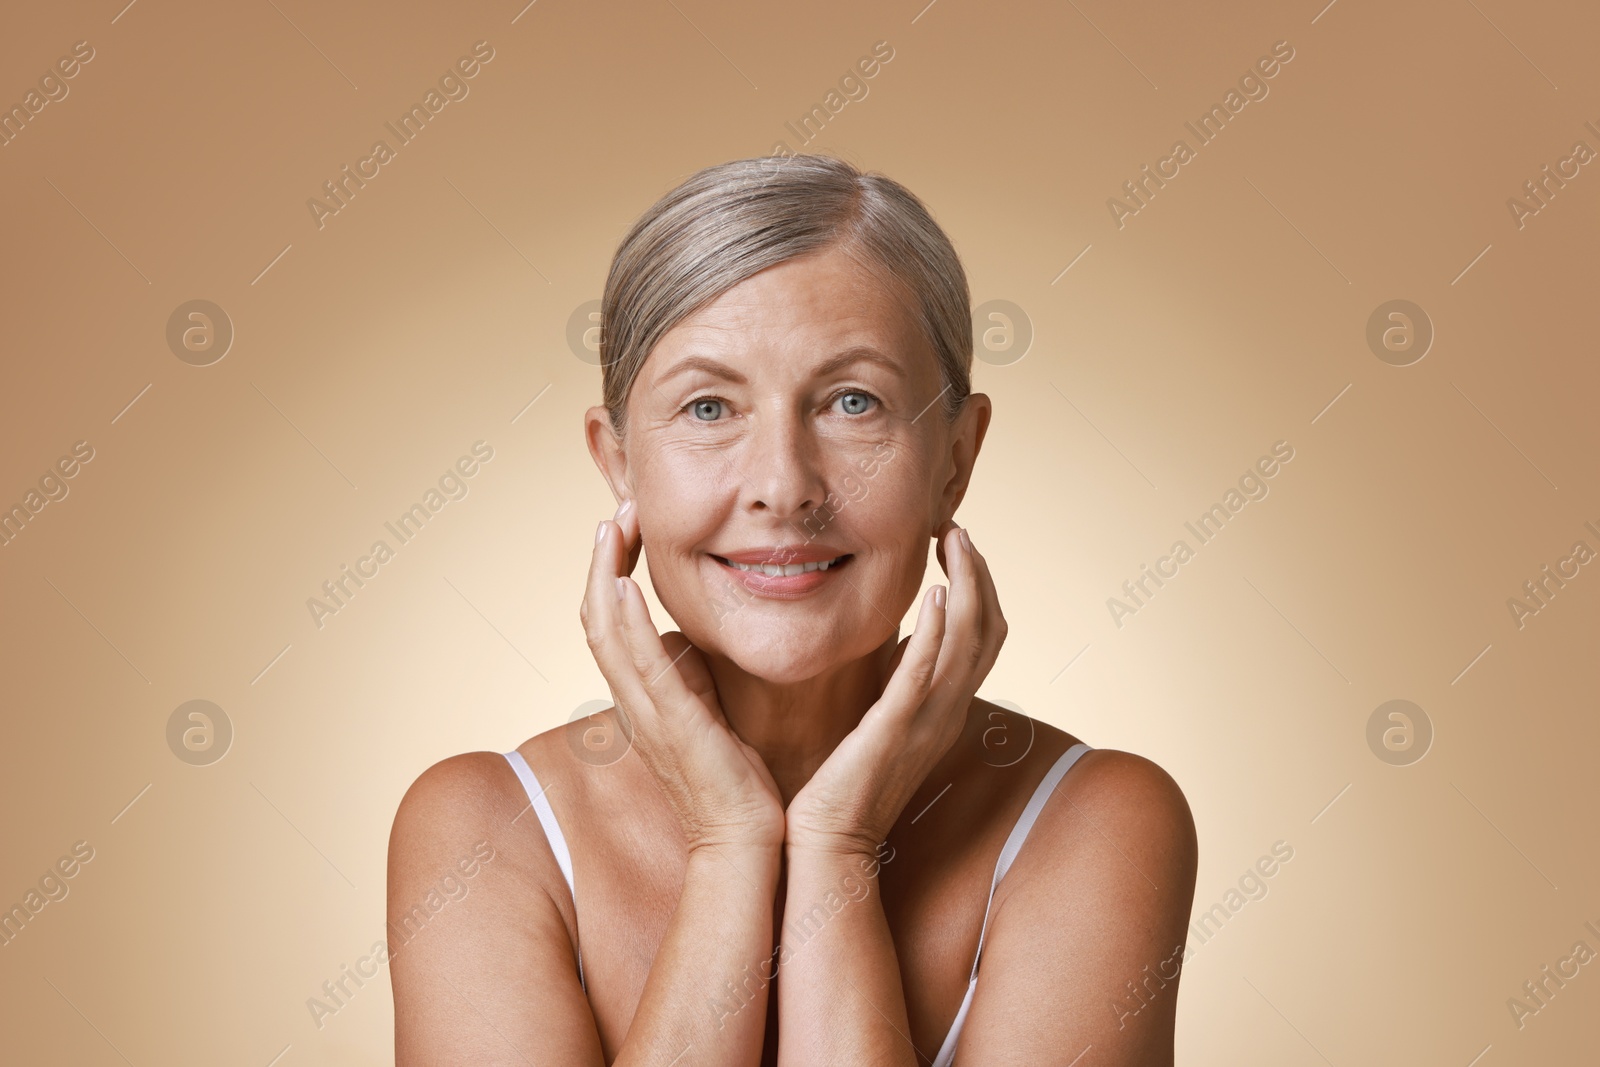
{"points": [[966, 438], [607, 451]]}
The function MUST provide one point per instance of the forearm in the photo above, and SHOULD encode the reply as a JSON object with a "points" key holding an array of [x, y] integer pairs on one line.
{"points": [[839, 998], [720, 932]]}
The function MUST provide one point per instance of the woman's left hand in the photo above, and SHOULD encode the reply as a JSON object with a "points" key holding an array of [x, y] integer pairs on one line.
{"points": [[853, 800]]}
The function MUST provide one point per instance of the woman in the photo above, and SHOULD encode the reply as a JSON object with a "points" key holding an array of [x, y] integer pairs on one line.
{"points": [[804, 833]]}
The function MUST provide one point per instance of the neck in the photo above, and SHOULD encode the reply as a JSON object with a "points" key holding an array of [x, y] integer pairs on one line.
{"points": [[795, 726]]}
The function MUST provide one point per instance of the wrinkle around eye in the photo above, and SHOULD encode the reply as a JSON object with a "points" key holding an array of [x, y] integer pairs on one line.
{"points": [[689, 447]]}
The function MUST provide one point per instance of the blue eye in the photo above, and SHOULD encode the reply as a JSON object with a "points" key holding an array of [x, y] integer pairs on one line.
{"points": [[709, 408], [699, 405], [860, 397]]}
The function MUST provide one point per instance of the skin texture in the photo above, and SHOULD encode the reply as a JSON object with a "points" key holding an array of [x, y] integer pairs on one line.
{"points": [[793, 756]]}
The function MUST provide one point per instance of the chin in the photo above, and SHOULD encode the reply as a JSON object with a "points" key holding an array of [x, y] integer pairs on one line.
{"points": [[779, 661], [788, 670], [782, 658]]}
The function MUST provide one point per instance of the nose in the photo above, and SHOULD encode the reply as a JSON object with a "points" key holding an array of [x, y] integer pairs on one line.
{"points": [[782, 464]]}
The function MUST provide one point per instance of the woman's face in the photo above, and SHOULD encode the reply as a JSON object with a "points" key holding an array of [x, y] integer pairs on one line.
{"points": [[795, 419]]}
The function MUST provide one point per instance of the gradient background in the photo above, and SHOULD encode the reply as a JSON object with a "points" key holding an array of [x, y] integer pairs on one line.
{"points": [[433, 310]]}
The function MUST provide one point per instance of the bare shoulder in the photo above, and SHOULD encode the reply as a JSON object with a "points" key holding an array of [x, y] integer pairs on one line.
{"points": [[456, 798], [464, 806], [480, 940], [454, 788], [469, 798], [1111, 798], [1130, 792], [1109, 802], [1105, 879]]}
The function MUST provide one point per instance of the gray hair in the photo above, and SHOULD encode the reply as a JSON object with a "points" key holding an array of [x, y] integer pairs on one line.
{"points": [[728, 222]]}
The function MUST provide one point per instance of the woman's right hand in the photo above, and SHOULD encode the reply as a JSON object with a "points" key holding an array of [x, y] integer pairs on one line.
{"points": [[718, 786]]}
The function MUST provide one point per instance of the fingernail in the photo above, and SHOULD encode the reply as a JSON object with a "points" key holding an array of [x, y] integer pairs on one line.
{"points": [[620, 588], [600, 532], [622, 509], [938, 596], [966, 541]]}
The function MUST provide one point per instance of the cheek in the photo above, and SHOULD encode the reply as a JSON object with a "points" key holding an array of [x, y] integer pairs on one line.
{"points": [[894, 492], [886, 516], [679, 493], [892, 522]]}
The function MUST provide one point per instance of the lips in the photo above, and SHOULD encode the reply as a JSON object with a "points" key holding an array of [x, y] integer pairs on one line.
{"points": [[783, 554], [792, 578], [784, 570]]}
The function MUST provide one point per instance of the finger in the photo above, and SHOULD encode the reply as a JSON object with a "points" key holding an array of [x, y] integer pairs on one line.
{"points": [[899, 652], [634, 638], [938, 543], [632, 539], [619, 663], [962, 648], [602, 618], [647, 655], [691, 668], [917, 673], [994, 621], [600, 590]]}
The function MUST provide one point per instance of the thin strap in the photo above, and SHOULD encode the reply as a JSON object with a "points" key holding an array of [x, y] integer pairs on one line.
{"points": [[947, 1051], [552, 833], [1019, 834], [1013, 845]]}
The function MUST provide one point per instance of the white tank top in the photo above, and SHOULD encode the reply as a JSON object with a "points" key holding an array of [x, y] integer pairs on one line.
{"points": [[1008, 853]]}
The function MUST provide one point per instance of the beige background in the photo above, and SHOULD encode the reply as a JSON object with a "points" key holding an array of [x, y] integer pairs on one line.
{"points": [[369, 354]]}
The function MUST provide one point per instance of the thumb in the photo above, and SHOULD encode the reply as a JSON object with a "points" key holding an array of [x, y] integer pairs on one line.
{"points": [[938, 542], [899, 654]]}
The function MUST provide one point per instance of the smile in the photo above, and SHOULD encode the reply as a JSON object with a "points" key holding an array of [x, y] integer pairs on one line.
{"points": [[779, 570]]}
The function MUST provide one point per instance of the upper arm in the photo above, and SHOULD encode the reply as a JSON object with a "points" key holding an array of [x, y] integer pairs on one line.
{"points": [[1086, 949], [480, 959]]}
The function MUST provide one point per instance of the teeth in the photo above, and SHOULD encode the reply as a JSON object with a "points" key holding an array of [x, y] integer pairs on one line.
{"points": [[774, 570]]}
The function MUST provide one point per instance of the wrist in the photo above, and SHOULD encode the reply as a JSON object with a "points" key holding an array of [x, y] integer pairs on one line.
{"points": [[754, 836], [841, 848], [816, 864], [741, 853], [804, 831]]}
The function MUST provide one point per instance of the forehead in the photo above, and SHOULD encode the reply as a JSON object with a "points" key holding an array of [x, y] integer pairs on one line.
{"points": [[820, 303]]}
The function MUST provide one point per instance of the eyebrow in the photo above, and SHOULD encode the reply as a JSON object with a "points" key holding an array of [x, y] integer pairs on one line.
{"points": [[856, 354]]}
